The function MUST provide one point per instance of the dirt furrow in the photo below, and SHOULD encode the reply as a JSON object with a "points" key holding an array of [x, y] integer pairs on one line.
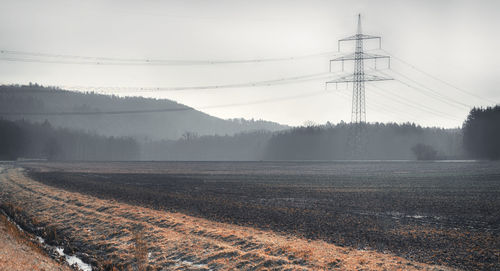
{"points": [[107, 233]]}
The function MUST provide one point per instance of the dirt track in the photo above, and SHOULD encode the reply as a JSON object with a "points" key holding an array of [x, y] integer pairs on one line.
{"points": [[102, 232]]}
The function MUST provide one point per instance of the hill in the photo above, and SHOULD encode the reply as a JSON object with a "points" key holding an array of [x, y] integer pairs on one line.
{"points": [[93, 112]]}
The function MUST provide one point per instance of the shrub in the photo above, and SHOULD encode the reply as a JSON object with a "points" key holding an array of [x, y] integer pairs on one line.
{"points": [[424, 152]]}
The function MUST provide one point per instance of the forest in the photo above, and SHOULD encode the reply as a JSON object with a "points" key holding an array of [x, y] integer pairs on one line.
{"points": [[482, 133], [316, 142], [245, 146], [22, 139], [477, 139], [49, 123], [111, 115], [380, 141]]}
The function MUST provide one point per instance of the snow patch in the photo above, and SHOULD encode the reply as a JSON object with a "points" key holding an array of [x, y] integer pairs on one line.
{"points": [[191, 264], [72, 260]]}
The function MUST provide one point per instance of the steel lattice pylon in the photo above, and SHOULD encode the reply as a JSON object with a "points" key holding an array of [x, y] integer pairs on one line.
{"points": [[358, 78], [358, 113], [357, 139]]}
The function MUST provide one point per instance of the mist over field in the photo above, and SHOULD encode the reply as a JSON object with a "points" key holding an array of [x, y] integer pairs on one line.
{"points": [[249, 135], [63, 125]]}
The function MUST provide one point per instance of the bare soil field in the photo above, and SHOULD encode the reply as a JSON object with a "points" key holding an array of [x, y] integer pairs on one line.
{"points": [[205, 215], [117, 236]]}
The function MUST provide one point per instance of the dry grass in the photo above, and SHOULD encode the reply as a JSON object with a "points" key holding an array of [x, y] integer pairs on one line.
{"points": [[20, 236], [177, 241], [140, 249], [19, 252]]}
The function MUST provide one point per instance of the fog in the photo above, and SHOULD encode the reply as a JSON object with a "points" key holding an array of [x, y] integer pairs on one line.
{"points": [[451, 40], [237, 80], [56, 124]]}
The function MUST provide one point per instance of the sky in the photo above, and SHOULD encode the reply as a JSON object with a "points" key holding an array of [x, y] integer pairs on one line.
{"points": [[444, 58]]}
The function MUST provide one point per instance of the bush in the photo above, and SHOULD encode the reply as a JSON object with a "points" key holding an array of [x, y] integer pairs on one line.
{"points": [[424, 152]]}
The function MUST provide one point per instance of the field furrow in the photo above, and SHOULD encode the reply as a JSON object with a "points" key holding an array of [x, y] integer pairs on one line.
{"points": [[108, 233]]}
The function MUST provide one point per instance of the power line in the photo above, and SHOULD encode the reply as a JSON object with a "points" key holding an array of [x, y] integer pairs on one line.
{"points": [[399, 98], [10, 55], [279, 81], [418, 106], [439, 79], [121, 112], [382, 109], [426, 90], [432, 95], [389, 108], [404, 101], [358, 77], [357, 140]]}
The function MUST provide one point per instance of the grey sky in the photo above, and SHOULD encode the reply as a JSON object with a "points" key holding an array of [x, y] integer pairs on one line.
{"points": [[453, 40]]}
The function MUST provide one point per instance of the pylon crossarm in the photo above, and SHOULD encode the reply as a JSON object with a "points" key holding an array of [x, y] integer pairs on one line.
{"points": [[360, 36], [351, 78], [359, 56]]}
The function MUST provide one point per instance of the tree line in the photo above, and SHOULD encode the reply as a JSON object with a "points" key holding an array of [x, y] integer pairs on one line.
{"points": [[482, 133], [314, 142], [477, 139], [380, 141], [23, 139]]}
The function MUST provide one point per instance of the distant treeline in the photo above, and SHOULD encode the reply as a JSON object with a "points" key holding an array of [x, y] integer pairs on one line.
{"points": [[378, 141], [478, 139], [320, 142], [242, 146], [40, 122], [22, 139], [482, 133]]}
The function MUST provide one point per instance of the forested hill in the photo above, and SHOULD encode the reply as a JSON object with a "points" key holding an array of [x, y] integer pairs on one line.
{"points": [[36, 101]]}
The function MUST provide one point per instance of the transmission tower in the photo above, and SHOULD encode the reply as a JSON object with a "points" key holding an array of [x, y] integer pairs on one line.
{"points": [[358, 78], [358, 139]]}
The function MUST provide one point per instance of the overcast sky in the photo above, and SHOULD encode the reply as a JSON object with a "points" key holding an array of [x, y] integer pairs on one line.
{"points": [[455, 41]]}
